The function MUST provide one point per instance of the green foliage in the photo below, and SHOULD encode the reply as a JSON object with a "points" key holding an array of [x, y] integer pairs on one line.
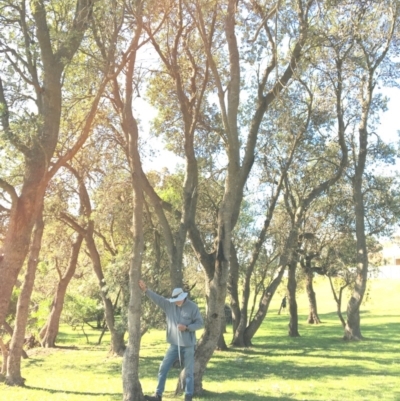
{"points": [[39, 314], [12, 309], [79, 309]]}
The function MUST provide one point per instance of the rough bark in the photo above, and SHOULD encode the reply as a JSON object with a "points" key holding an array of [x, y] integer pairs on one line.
{"points": [[215, 293], [221, 345], [13, 376], [313, 317], [132, 389], [49, 332], [292, 303], [305, 263]]}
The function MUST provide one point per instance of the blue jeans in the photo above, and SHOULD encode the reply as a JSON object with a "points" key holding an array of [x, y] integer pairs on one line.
{"points": [[187, 354]]}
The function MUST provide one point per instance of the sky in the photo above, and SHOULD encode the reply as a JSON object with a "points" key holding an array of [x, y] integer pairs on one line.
{"points": [[390, 120]]}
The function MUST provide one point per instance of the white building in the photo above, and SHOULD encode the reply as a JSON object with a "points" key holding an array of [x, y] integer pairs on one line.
{"points": [[391, 260]]}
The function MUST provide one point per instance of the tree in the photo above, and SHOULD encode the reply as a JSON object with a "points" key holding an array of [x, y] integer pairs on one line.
{"points": [[239, 148], [13, 376], [370, 52], [132, 390], [49, 332], [87, 231], [277, 158], [39, 68]]}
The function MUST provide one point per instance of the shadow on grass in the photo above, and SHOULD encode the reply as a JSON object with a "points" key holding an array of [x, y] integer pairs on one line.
{"points": [[242, 396], [387, 332], [318, 354], [115, 396]]}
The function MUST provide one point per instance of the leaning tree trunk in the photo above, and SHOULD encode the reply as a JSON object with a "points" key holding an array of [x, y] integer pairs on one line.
{"points": [[117, 336], [49, 332], [286, 256], [13, 376], [262, 311]]}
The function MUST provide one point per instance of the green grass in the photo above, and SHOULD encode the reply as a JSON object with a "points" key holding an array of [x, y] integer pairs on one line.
{"points": [[318, 366]]}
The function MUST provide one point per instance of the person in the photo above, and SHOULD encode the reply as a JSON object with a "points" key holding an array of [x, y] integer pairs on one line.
{"points": [[183, 319], [283, 305]]}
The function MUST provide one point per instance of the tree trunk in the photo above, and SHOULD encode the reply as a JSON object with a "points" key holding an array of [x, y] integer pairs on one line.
{"points": [[238, 170], [49, 332], [239, 321], [352, 329], [338, 300], [313, 317], [14, 377], [291, 243], [240, 315], [10, 331], [4, 353], [16, 243], [215, 295], [234, 293], [265, 301], [117, 337], [221, 345], [291, 292], [132, 389]]}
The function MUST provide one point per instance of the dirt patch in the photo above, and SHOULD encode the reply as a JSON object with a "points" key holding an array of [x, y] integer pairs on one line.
{"points": [[39, 351]]}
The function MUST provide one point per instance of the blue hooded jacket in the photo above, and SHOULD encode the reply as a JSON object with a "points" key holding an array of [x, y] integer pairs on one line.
{"points": [[188, 314]]}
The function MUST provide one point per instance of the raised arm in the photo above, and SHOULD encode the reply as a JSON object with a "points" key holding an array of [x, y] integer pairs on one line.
{"points": [[157, 299]]}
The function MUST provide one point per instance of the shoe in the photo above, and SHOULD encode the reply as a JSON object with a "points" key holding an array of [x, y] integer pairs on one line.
{"points": [[188, 397], [155, 397]]}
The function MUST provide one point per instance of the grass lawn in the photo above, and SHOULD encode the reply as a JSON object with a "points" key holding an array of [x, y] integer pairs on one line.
{"points": [[318, 366]]}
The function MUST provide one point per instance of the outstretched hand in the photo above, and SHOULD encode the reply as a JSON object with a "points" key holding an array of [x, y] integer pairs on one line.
{"points": [[142, 285]]}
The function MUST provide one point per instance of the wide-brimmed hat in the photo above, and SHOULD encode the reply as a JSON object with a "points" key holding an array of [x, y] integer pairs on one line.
{"points": [[178, 295]]}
